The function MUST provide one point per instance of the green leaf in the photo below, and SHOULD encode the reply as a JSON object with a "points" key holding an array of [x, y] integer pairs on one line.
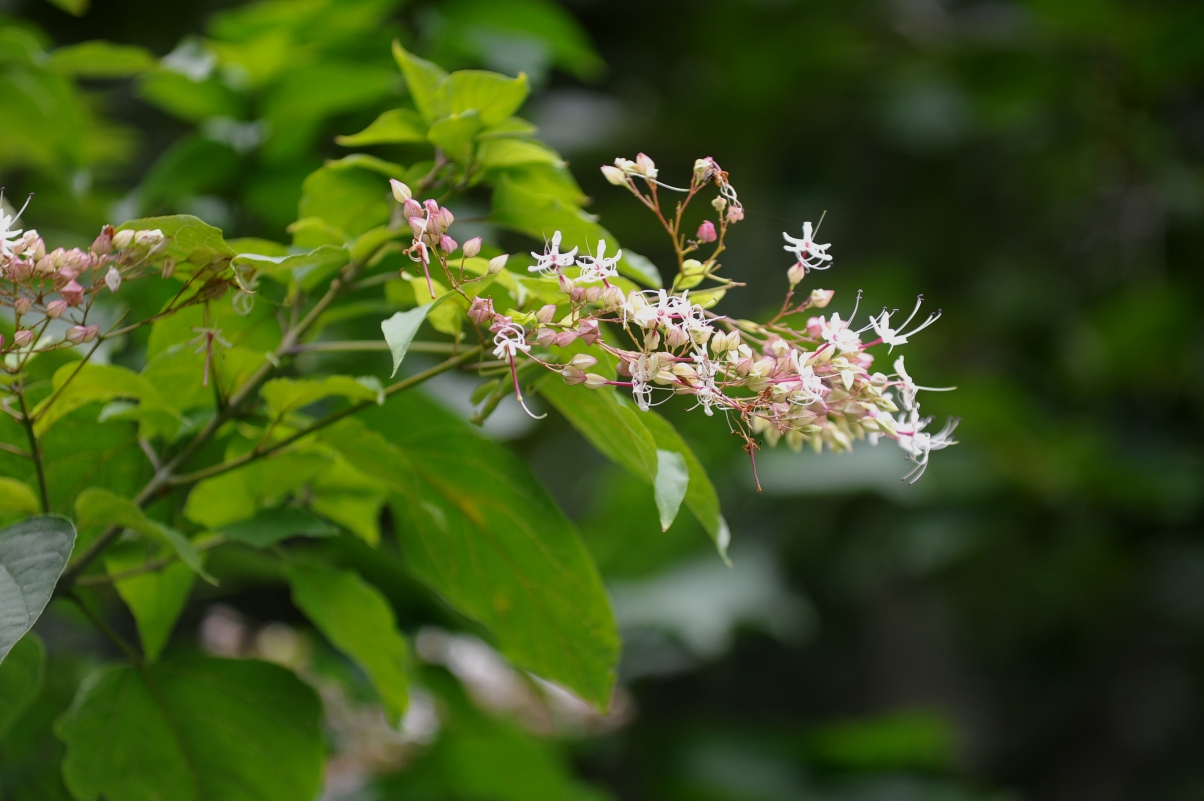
{"points": [[188, 100], [399, 331], [155, 598], [641, 269], [350, 498], [454, 134], [495, 97], [78, 454], [100, 507], [73, 7], [672, 480], [308, 269], [512, 152], [286, 395], [100, 59], [201, 730], [237, 495], [93, 383], [511, 126], [275, 525], [193, 243], [20, 679], [396, 126], [17, 498], [33, 554], [425, 82], [351, 200], [356, 619], [476, 527]]}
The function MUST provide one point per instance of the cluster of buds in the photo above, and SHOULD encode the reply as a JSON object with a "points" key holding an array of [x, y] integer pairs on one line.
{"points": [[41, 286], [429, 223], [810, 385]]}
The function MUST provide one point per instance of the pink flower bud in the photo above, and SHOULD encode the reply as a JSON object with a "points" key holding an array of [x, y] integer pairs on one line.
{"points": [[401, 192], [447, 244], [103, 244], [55, 309], [546, 313], [545, 336], [23, 305], [411, 208], [498, 263], [44, 266], [795, 274], [418, 225], [592, 294], [595, 381], [431, 206], [169, 267], [564, 338], [588, 331], [614, 175], [566, 284], [612, 297], [76, 334], [481, 310], [23, 337], [821, 297], [577, 294], [73, 293], [583, 361], [815, 327], [444, 218], [735, 214], [20, 270], [706, 232], [113, 279], [675, 337], [472, 247], [572, 375], [645, 165]]}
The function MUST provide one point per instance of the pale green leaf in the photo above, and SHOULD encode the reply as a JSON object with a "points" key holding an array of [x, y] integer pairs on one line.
{"points": [[100, 507], [396, 126], [349, 199], [286, 395], [20, 679], [454, 134], [511, 126], [399, 331], [425, 82], [94, 383], [33, 553], [512, 152], [494, 96], [672, 479], [275, 525], [351, 498], [100, 59], [615, 429], [155, 598], [202, 730], [237, 495], [356, 619], [193, 243], [17, 498]]}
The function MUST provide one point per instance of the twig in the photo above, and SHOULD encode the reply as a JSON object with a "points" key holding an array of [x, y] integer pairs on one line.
{"points": [[147, 567], [35, 450], [104, 627]]}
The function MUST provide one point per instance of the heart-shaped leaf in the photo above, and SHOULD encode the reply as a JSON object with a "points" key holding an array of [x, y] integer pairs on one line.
{"points": [[33, 554]]}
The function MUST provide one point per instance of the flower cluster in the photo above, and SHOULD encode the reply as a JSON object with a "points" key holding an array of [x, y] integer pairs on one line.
{"points": [[41, 286], [811, 384]]}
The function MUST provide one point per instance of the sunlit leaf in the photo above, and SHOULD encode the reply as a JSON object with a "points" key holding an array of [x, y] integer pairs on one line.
{"points": [[99, 59], [454, 134], [17, 498], [494, 96], [155, 598], [33, 554], [287, 395], [512, 152], [201, 730], [395, 126], [99, 507], [237, 495], [425, 82], [672, 480]]}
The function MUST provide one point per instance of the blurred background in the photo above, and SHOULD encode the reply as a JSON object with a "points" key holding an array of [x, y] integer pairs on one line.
{"points": [[1026, 622]]}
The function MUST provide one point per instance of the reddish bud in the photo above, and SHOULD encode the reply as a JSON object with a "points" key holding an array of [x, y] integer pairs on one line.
{"points": [[73, 293], [103, 244], [588, 331], [546, 313], [23, 337], [23, 305], [706, 232], [447, 244], [55, 309], [481, 310]]}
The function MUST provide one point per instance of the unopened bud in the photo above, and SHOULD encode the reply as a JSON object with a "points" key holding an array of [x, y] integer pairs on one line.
{"points": [[546, 313], [595, 381], [583, 361], [149, 239], [444, 219], [103, 244], [447, 244], [572, 375], [735, 214], [821, 297], [720, 203], [23, 337], [576, 294], [566, 284], [592, 294], [113, 279], [55, 309], [481, 310], [564, 338], [401, 192], [796, 273], [614, 175], [612, 297], [76, 334], [588, 331], [411, 208], [545, 336], [646, 165], [498, 263], [169, 267], [72, 292], [706, 232], [675, 337], [472, 247], [122, 239], [23, 305], [44, 266], [703, 169]]}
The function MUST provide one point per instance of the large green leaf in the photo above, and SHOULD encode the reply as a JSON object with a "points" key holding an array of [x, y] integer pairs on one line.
{"points": [[400, 329], [274, 525], [395, 126], [477, 528], [454, 134], [78, 454], [202, 730], [20, 679], [99, 59], [95, 383], [191, 240], [99, 507], [669, 486], [350, 199], [155, 598], [494, 96], [239, 494], [425, 82], [33, 554], [357, 620], [494, 153]]}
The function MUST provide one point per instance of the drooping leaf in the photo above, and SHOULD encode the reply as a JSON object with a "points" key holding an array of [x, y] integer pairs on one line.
{"points": [[155, 598], [286, 395], [99, 59], [425, 82], [477, 528], [399, 331], [307, 269], [271, 526], [237, 495], [100, 507], [494, 96], [33, 553], [672, 480], [356, 619], [200, 730], [20, 679], [396, 126]]}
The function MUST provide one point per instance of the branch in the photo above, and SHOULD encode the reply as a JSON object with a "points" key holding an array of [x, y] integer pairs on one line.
{"points": [[372, 344], [35, 450], [147, 567]]}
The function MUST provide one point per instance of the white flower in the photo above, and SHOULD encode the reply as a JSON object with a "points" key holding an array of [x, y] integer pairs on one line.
{"points": [[908, 388], [895, 336], [9, 236], [918, 444], [598, 268], [551, 260], [809, 254], [840, 333], [811, 386], [508, 339]]}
